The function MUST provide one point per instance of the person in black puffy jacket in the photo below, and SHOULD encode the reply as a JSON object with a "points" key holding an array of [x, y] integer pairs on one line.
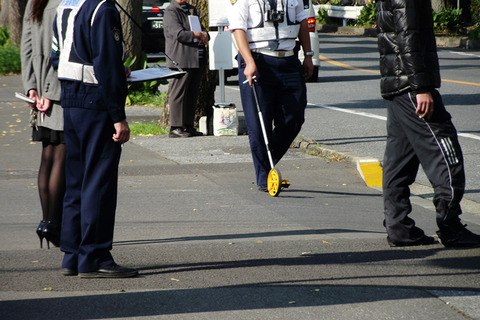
{"points": [[419, 129]]}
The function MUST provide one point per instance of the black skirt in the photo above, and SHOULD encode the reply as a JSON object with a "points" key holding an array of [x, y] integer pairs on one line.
{"points": [[48, 135]]}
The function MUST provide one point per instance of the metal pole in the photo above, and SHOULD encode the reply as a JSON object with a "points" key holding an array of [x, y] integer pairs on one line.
{"points": [[221, 75]]}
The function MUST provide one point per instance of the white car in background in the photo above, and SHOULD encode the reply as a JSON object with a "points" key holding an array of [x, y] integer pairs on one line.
{"points": [[314, 40]]}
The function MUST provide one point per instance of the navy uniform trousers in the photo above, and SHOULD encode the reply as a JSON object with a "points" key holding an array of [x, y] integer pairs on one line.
{"points": [[282, 96], [433, 143], [91, 193]]}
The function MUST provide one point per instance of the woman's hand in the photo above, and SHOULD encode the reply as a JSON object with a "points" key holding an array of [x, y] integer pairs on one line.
{"points": [[32, 94]]}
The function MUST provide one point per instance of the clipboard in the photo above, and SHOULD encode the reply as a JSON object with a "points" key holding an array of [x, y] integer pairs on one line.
{"points": [[195, 25], [151, 74]]}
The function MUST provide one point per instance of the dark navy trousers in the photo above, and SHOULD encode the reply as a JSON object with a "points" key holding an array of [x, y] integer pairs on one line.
{"points": [[282, 97], [91, 189], [433, 143]]}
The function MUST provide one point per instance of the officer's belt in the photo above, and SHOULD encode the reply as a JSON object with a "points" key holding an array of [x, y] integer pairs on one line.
{"points": [[275, 53]]}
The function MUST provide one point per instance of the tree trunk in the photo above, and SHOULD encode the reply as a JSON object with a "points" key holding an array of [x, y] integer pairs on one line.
{"points": [[16, 10], [206, 94], [132, 34], [4, 13]]}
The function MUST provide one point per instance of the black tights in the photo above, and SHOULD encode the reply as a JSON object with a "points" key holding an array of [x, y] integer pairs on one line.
{"points": [[51, 181]]}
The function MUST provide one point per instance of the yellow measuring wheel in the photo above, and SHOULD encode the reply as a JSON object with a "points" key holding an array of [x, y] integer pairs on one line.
{"points": [[274, 182], [274, 179]]}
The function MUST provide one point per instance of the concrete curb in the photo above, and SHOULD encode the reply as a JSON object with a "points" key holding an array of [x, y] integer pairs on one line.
{"points": [[310, 146]]}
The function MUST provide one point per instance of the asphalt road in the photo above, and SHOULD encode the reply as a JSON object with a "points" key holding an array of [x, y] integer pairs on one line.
{"points": [[210, 246]]}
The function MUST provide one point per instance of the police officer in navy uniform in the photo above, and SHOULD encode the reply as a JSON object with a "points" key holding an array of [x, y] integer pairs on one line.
{"points": [[88, 53], [265, 32]]}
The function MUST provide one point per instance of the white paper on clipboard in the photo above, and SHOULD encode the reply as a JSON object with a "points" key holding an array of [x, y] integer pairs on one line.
{"points": [[151, 74], [195, 25]]}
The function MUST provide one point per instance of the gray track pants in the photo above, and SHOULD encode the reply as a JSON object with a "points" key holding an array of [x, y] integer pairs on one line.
{"points": [[433, 143]]}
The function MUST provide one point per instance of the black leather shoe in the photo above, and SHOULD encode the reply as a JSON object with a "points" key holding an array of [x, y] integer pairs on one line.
{"points": [[111, 271], [179, 133], [193, 132], [461, 238], [69, 272], [424, 241]]}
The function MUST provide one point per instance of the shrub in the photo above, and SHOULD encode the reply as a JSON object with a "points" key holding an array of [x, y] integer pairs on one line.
{"points": [[10, 60], [322, 16], [9, 55], [368, 16], [448, 21], [4, 36], [474, 34], [475, 11]]}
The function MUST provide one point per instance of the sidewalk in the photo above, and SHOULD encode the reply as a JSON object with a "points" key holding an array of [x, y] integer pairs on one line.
{"points": [[210, 246]]}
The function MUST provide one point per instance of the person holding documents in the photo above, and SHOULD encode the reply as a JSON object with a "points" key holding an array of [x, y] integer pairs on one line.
{"points": [[185, 40], [42, 86]]}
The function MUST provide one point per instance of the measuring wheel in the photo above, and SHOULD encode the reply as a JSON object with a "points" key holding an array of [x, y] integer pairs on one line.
{"points": [[274, 182]]}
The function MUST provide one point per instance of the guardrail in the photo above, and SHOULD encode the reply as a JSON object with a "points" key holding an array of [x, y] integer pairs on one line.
{"points": [[342, 12]]}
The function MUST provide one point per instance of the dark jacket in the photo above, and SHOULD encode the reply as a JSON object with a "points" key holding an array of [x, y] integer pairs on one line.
{"points": [[408, 52], [99, 44], [179, 44]]}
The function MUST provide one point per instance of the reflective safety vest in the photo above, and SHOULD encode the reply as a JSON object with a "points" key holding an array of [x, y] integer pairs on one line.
{"points": [[71, 66], [271, 31]]}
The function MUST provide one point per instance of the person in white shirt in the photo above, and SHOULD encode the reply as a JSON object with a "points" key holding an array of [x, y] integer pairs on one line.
{"points": [[265, 32]]}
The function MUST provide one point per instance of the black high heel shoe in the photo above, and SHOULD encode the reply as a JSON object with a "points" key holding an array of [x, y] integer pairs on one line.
{"points": [[51, 232], [40, 232]]}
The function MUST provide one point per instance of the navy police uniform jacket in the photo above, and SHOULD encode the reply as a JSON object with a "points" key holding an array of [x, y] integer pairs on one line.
{"points": [[97, 41]]}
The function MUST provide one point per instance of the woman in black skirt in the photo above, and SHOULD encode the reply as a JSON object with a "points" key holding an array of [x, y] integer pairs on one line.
{"points": [[42, 85]]}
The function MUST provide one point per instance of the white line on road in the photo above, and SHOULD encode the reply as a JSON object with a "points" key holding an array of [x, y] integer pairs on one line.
{"points": [[462, 53], [375, 116], [363, 114]]}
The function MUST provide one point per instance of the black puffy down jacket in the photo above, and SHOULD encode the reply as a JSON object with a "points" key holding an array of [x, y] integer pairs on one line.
{"points": [[408, 52]]}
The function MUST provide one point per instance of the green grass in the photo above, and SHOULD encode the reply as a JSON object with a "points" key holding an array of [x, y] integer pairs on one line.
{"points": [[146, 129], [143, 98]]}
